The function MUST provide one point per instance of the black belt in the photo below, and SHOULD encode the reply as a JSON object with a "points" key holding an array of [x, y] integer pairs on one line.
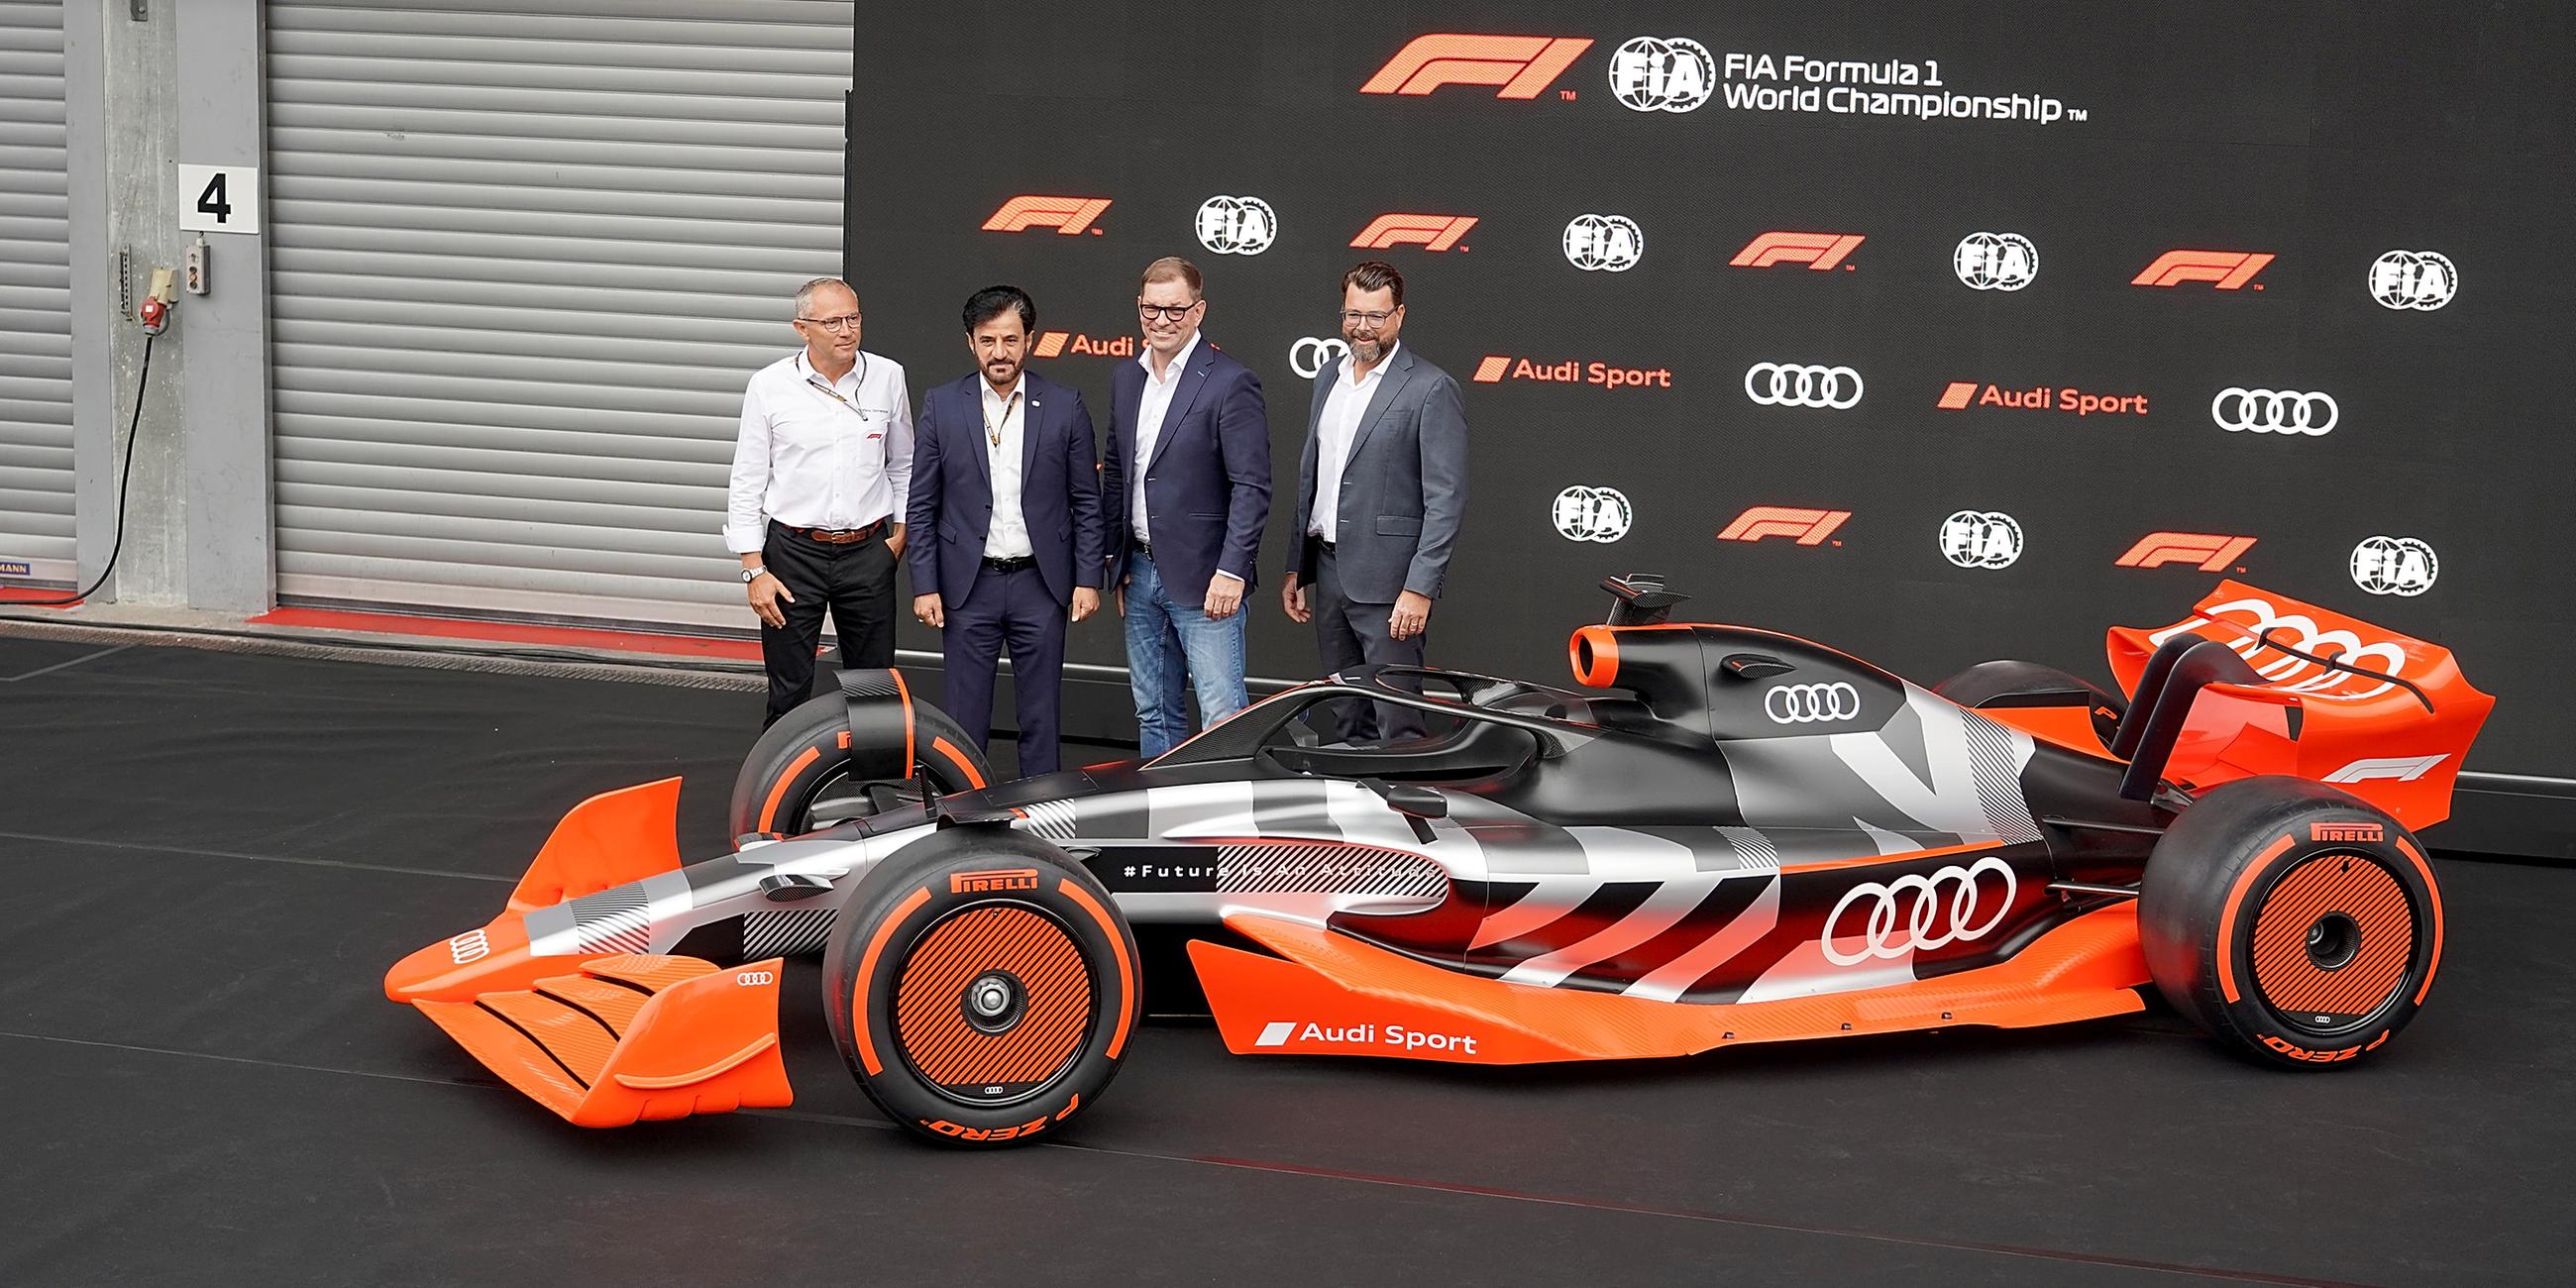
{"points": [[1010, 565], [1145, 548], [1327, 545], [838, 536]]}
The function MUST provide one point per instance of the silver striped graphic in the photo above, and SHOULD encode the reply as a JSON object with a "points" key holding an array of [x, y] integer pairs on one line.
{"points": [[1052, 819], [615, 920], [777, 934], [1326, 869]]}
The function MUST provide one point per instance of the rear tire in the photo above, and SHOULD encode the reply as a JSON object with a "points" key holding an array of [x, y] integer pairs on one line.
{"points": [[2298, 924], [805, 757], [981, 986]]}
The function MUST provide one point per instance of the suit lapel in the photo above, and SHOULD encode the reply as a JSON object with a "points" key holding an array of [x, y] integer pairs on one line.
{"points": [[974, 398], [1031, 416], [1389, 384], [1192, 381]]}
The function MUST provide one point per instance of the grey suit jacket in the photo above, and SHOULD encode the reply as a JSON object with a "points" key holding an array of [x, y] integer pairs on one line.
{"points": [[1404, 489]]}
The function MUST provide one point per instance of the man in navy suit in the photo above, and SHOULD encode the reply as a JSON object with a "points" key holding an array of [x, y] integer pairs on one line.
{"points": [[1186, 481], [1005, 522]]}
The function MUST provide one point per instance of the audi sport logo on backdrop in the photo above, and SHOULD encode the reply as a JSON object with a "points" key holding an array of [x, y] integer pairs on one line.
{"points": [[1810, 527], [1819, 251], [1592, 514], [2228, 270], [1981, 539], [1915, 913], [1067, 215], [1810, 703], [1995, 261], [1662, 74], [1237, 225], [1521, 65], [2394, 566], [2413, 279], [1074, 344], [1961, 394], [1430, 232], [2206, 551], [1777, 384], [1604, 243], [1311, 354], [1496, 368], [2274, 411]]}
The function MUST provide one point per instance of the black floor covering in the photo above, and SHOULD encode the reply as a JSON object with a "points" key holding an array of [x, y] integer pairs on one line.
{"points": [[209, 860]]}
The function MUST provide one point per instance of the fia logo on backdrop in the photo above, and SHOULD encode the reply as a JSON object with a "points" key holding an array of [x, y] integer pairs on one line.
{"points": [[1604, 243], [2422, 280], [1237, 225], [1593, 514], [2394, 566], [1995, 261], [1981, 539], [1662, 74]]}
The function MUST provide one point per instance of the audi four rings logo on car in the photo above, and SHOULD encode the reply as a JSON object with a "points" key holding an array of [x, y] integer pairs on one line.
{"points": [[1774, 384], [1592, 514], [1662, 74], [1818, 251], [1067, 215], [1603, 243], [2413, 279], [1237, 225], [2259, 617], [1917, 913], [2274, 411], [472, 946], [1311, 354], [754, 978], [2228, 270], [1430, 232], [1995, 261], [1810, 527], [1981, 539], [1811, 703], [2394, 566], [1521, 65]]}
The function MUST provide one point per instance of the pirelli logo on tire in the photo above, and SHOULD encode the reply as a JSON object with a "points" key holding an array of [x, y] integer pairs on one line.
{"points": [[2351, 833], [989, 880]]}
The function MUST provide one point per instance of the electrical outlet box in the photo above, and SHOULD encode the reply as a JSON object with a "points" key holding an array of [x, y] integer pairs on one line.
{"points": [[196, 267], [163, 288]]}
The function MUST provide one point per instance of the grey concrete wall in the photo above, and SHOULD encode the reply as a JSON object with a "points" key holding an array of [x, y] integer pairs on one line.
{"points": [[222, 94]]}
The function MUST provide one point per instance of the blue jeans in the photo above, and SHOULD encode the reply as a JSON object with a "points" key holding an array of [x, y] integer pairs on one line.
{"points": [[1174, 648]]}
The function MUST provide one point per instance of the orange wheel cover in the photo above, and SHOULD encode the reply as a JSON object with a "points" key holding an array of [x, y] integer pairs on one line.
{"points": [[931, 1023], [2358, 889]]}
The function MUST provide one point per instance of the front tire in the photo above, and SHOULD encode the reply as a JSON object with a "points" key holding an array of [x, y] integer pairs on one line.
{"points": [[981, 986], [2298, 924]]}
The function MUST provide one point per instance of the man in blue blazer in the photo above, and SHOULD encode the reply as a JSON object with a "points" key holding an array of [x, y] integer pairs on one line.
{"points": [[1185, 478], [1005, 525]]}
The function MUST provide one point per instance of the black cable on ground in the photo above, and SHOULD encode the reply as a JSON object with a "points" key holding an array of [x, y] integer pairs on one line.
{"points": [[124, 479]]}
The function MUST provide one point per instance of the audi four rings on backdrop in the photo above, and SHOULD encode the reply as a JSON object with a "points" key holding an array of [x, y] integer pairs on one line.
{"points": [[2274, 411], [1776, 384], [1311, 354]]}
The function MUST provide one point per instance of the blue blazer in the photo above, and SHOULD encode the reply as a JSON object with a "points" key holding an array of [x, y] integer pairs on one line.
{"points": [[951, 507], [1207, 488]]}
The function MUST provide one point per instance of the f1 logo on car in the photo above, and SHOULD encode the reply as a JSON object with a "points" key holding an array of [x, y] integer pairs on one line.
{"points": [[2229, 269], [1431, 232], [1995, 261], [1067, 215], [2414, 279], [1819, 251], [2404, 769], [2394, 566], [1810, 527], [1521, 65], [1604, 243], [1916, 913], [1981, 539], [2208, 552], [2274, 411], [1237, 225], [1773, 384], [1311, 354], [1811, 703], [1662, 74]]}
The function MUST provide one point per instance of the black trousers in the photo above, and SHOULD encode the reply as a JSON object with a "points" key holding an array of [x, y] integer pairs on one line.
{"points": [[1351, 633], [855, 581]]}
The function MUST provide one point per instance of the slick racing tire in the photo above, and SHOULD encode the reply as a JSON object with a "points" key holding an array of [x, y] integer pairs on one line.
{"points": [[982, 987], [800, 768], [2299, 925], [2009, 683]]}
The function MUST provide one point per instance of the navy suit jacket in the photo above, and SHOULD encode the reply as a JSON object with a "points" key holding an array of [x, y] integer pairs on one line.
{"points": [[1207, 487], [951, 507]]}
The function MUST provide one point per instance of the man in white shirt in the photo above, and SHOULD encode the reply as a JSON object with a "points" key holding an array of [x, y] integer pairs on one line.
{"points": [[1185, 477], [822, 468]]}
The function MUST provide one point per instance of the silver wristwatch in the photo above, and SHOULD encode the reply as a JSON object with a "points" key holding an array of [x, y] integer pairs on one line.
{"points": [[750, 575]]}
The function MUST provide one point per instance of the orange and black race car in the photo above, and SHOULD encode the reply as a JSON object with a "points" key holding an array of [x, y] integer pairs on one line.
{"points": [[1725, 835]]}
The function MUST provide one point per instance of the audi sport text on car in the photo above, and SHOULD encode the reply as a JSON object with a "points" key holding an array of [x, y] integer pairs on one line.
{"points": [[1723, 835]]}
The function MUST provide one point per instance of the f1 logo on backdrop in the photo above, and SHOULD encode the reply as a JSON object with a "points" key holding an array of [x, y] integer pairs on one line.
{"points": [[1430, 232], [1604, 243], [1311, 354], [1521, 65], [2394, 566], [1237, 225], [2228, 270], [1067, 215], [2414, 279], [2274, 411], [1810, 527], [1819, 251], [1981, 539], [1592, 514], [1662, 74], [2206, 551], [1777, 384], [1995, 261]]}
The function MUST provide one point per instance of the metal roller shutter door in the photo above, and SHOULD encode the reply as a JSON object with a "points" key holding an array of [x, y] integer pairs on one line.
{"points": [[523, 257], [35, 300]]}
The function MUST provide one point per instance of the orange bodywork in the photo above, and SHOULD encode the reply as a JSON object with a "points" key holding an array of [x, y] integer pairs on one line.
{"points": [[606, 841], [1329, 994], [630, 1038]]}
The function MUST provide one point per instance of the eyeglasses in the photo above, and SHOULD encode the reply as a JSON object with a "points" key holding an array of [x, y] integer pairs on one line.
{"points": [[834, 325], [1354, 317], [1168, 312]]}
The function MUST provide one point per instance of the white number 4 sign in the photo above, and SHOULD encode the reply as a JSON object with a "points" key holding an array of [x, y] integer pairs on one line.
{"points": [[219, 198]]}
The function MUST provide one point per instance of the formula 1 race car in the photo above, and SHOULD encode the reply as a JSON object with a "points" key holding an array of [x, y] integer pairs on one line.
{"points": [[1727, 835]]}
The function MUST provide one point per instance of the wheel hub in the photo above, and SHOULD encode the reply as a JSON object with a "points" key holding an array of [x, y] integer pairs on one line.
{"points": [[994, 1001]]}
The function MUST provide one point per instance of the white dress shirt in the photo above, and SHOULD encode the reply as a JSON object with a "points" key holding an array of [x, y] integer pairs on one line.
{"points": [[1008, 536], [813, 453], [1340, 427], [1150, 413]]}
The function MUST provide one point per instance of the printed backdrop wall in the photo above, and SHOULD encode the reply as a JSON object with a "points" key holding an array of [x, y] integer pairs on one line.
{"points": [[1935, 331]]}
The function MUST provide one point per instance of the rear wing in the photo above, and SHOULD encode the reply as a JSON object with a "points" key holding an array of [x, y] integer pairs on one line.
{"points": [[2257, 683]]}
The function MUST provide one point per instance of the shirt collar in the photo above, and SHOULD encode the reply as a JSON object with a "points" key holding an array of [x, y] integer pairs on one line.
{"points": [[1382, 363], [805, 370], [1180, 361], [991, 399]]}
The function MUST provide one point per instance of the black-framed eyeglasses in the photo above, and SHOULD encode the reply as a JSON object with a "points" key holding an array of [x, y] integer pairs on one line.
{"points": [[1354, 317], [836, 325], [1168, 312]]}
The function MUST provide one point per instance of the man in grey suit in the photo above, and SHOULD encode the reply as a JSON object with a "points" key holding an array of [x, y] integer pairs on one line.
{"points": [[1380, 493]]}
